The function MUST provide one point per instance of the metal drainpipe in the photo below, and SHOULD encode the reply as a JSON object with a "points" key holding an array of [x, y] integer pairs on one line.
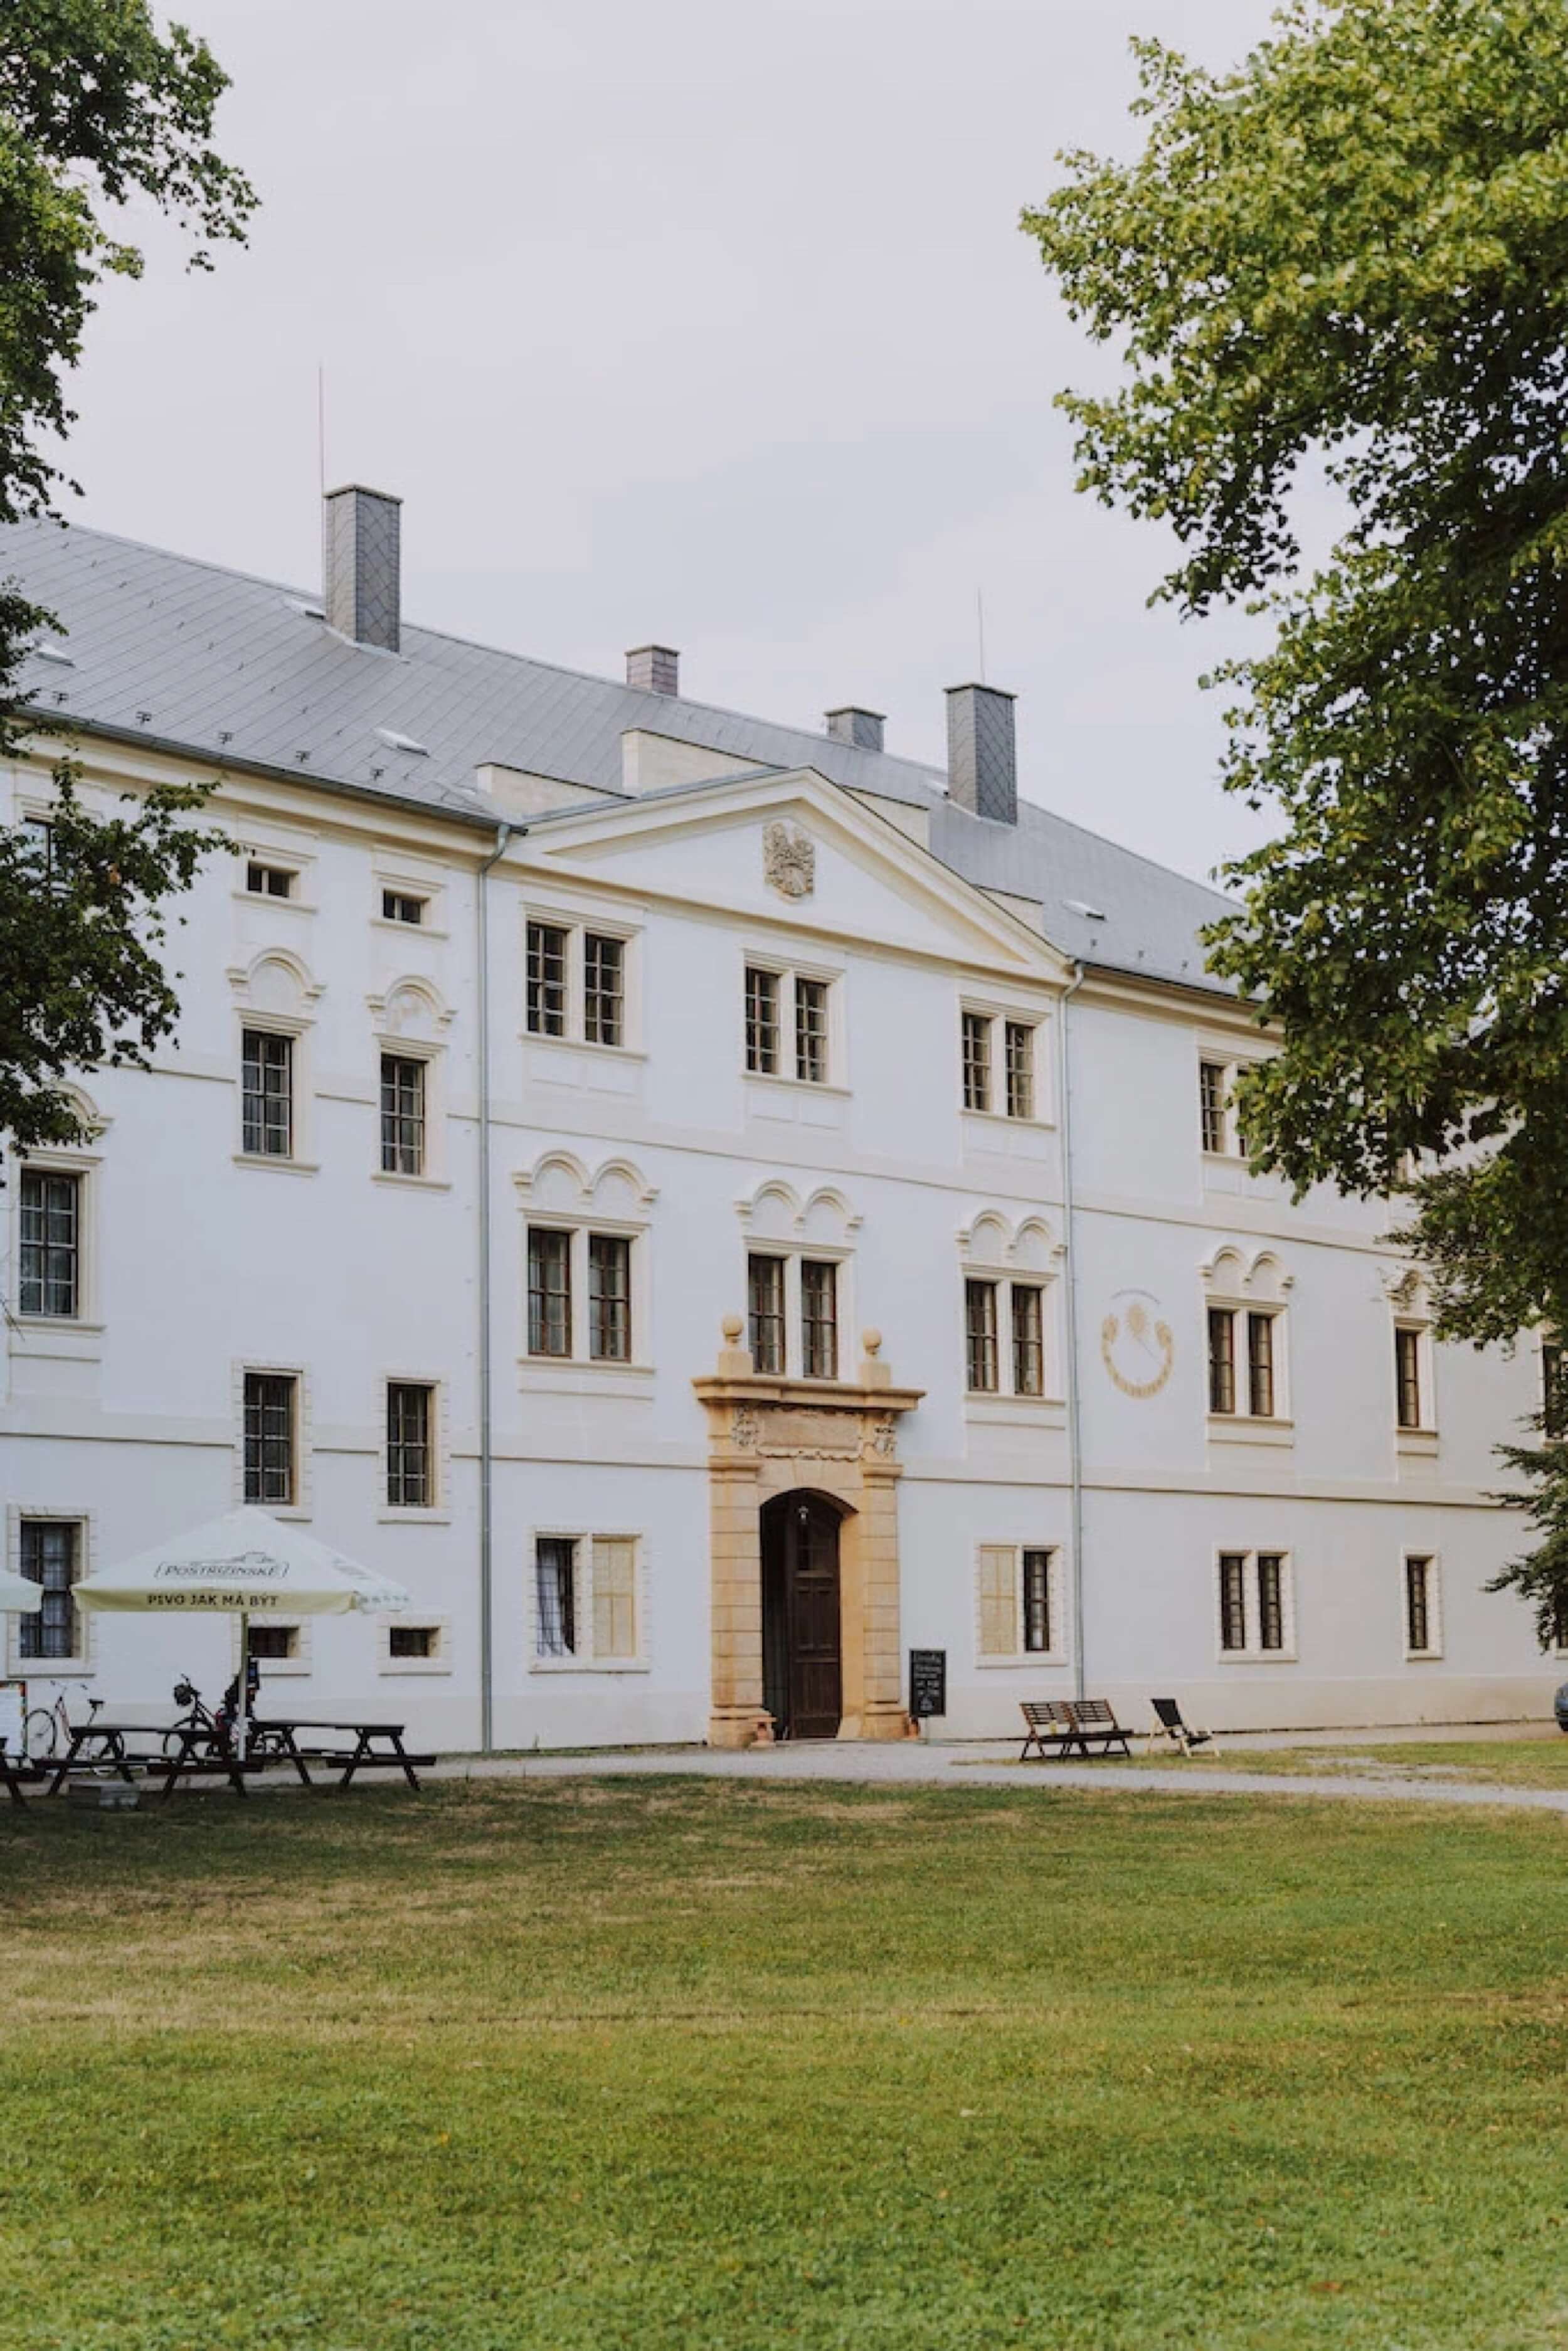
{"points": [[487, 1695], [1074, 1422]]}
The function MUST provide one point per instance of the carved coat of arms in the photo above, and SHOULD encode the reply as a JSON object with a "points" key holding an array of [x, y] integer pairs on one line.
{"points": [[788, 861]]}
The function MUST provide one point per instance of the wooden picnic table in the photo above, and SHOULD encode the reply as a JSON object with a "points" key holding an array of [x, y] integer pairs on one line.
{"points": [[376, 1745], [102, 1745], [18, 1772]]}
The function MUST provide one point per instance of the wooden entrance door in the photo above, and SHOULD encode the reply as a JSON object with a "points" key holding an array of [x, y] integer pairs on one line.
{"points": [[803, 1681]]}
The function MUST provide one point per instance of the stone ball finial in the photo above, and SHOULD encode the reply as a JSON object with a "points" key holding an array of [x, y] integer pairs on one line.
{"points": [[871, 1341], [732, 1326]]}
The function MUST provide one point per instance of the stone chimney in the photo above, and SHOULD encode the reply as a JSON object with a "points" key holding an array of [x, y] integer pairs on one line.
{"points": [[982, 752], [653, 669], [861, 727], [361, 537]]}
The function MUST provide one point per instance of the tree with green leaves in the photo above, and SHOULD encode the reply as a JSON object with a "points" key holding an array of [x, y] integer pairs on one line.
{"points": [[1346, 261], [98, 107]]}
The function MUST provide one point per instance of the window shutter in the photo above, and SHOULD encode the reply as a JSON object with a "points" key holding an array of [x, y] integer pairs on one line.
{"points": [[614, 1596], [999, 1600]]}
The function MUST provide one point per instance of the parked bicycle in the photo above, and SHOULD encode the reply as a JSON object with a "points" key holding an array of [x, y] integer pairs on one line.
{"points": [[47, 1730], [199, 1723]]}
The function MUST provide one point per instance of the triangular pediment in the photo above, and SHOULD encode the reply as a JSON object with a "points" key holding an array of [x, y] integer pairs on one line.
{"points": [[795, 849]]}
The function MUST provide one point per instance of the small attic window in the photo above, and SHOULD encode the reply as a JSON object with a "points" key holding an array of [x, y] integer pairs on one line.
{"points": [[309, 611], [396, 742], [1081, 906]]}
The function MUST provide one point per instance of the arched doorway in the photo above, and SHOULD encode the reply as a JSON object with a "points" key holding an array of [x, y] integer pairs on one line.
{"points": [[802, 1657]]}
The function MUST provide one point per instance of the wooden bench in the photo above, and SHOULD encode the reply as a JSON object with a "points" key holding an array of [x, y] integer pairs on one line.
{"points": [[1047, 1722], [377, 1746], [19, 1772], [1094, 1719]]}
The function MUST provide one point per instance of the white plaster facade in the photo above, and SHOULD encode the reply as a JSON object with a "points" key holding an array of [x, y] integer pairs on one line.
{"points": [[200, 1262]]}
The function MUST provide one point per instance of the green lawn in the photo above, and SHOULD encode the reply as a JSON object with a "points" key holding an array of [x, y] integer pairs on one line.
{"points": [[684, 2067], [1505, 1762]]}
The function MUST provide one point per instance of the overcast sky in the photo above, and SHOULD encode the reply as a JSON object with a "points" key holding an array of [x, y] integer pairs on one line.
{"points": [[709, 322]]}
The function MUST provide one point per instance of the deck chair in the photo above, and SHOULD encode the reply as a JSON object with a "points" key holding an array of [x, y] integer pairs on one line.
{"points": [[1168, 1730]]}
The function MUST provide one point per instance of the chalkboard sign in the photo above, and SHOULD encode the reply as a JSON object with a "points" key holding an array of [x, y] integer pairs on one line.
{"points": [[928, 1683]]}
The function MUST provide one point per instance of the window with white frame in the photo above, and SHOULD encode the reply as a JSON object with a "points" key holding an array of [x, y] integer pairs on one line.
{"points": [[1020, 1603], [587, 1599], [50, 1243], [1412, 1403], [416, 1645], [1256, 1604], [270, 1440], [49, 1554], [405, 907], [1423, 1601], [276, 1645], [263, 879], [411, 1450], [1245, 1325], [403, 1114], [792, 1294], [1553, 1394], [1219, 1130], [266, 1094], [1006, 1282], [578, 981], [789, 1024], [1000, 1055], [580, 1294]]}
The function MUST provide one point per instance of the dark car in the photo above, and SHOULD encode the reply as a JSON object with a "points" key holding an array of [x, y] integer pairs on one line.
{"points": [[1560, 1708]]}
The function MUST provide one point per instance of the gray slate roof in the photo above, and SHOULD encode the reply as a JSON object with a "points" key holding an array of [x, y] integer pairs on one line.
{"points": [[169, 650]]}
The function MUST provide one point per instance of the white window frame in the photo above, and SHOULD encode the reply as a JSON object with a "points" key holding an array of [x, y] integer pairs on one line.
{"points": [[433, 1175], [998, 1015], [410, 879], [1252, 1653], [436, 1513], [1231, 1065], [83, 1163], [300, 1027], [285, 859], [834, 1253], [787, 970], [580, 1228], [83, 1663], [582, 1659], [1060, 1651], [1419, 1436], [304, 1466], [577, 926], [1004, 1279], [417, 1620], [1433, 1648], [1243, 1417]]}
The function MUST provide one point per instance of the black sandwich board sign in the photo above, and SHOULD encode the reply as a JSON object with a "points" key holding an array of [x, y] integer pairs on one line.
{"points": [[928, 1683]]}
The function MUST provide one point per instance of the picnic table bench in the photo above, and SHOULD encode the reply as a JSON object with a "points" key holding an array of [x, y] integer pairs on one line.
{"points": [[19, 1772], [377, 1746], [1068, 1723]]}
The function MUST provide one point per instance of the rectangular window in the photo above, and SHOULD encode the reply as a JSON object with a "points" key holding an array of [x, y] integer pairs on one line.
{"points": [[603, 989], [411, 1466], [609, 1298], [402, 906], [980, 1333], [765, 1301], [269, 881], [1029, 1341], [274, 1645], [51, 1553], [555, 1630], [1271, 1600], [1211, 1089], [1407, 1377], [614, 1596], [549, 1292], [412, 1642], [419, 1642], [761, 1021], [1418, 1606], [812, 1032], [1233, 1600], [1560, 1624], [403, 1115], [1260, 1366], [977, 1061], [39, 836], [269, 1436], [999, 1600], [819, 1318], [1553, 1398], [51, 1243], [1222, 1360], [1037, 1600], [267, 1082], [547, 980], [1019, 1043]]}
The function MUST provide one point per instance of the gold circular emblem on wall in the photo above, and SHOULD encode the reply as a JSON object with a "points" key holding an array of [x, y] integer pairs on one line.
{"points": [[1136, 1345]]}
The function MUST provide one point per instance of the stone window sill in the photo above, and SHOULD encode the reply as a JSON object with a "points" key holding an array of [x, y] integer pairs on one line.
{"points": [[1241, 1428], [276, 1162]]}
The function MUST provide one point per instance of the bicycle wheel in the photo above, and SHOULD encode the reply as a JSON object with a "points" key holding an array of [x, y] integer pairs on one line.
{"points": [[174, 1739], [39, 1734]]}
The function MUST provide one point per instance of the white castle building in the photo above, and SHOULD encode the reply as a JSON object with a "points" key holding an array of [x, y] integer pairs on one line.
{"points": [[710, 1207]]}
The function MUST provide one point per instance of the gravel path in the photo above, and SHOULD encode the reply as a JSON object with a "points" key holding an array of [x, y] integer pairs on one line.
{"points": [[910, 1763]]}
